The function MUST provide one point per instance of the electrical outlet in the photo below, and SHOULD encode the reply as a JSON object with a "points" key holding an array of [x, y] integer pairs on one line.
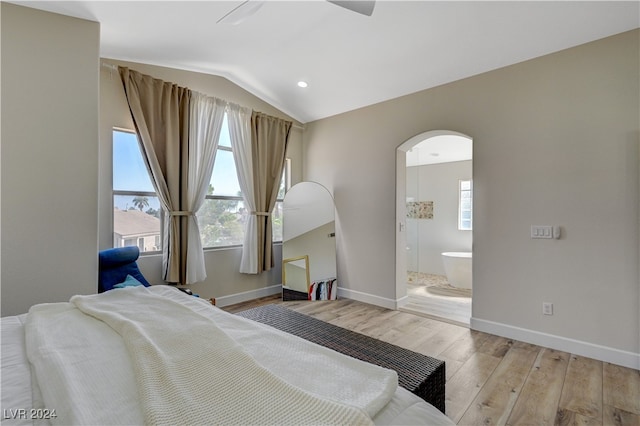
{"points": [[547, 308]]}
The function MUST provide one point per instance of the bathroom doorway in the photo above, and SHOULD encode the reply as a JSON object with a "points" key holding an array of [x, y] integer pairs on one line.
{"points": [[435, 225]]}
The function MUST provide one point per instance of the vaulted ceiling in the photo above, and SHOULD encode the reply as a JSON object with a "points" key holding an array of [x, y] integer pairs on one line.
{"points": [[349, 60]]}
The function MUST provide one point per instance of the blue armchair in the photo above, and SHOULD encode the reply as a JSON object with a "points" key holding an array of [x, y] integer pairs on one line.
{"points": [[115, 264]]}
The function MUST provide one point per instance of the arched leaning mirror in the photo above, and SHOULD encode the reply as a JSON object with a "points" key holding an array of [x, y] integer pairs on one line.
{"points": [[308, 244]]}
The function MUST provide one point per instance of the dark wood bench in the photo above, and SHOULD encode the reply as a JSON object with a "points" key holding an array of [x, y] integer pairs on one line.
{"points": [[418, 373]]}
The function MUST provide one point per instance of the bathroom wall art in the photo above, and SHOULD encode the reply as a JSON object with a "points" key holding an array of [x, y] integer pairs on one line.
{"points": [[420, 210]]}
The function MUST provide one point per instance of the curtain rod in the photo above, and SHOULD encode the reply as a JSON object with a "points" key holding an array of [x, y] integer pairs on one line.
{"points": [[112, 67]]}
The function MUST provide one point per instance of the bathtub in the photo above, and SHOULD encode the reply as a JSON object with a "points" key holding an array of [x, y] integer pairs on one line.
{"points": [[457, 266]]}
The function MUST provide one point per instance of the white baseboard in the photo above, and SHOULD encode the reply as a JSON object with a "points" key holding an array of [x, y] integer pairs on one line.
{"points": [[576, 347], [371, 299], [232, 299], [402, 302], [245, 296]]}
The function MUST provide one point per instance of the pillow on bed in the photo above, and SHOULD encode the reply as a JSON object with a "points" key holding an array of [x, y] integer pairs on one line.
{"points": [[128, 282]]}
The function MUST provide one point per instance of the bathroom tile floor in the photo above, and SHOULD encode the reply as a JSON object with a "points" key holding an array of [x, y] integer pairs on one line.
{"points": [[432, 296]]}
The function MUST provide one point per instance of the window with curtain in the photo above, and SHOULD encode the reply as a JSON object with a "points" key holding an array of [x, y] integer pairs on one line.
{"points": [[137, 212], [223, 214]]}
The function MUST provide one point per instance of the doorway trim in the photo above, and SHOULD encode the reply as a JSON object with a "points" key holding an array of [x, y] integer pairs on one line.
{"points": [[401, 208]]}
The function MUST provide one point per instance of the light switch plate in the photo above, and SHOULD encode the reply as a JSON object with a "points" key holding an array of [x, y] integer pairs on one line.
{"points": [[542, 231]]}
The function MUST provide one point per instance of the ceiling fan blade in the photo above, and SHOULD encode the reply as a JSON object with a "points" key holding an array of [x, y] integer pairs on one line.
{"points": [[363, 7], [241, 12]]}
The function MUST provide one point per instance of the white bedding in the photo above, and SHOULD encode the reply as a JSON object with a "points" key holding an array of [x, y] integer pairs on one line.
{"points": [[118, 403]]}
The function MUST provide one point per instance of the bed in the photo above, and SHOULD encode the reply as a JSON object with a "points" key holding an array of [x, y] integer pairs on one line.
{"points": [[154, 355]]}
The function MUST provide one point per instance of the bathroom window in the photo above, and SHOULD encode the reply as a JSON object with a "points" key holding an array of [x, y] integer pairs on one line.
{"points": [[465, 205]]}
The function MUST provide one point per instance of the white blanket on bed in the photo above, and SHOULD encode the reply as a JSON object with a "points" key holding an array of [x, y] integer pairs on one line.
{"points": [[189, 369]]}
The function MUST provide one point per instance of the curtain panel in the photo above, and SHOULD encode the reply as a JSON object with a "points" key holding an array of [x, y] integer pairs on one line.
{"points": [[239, 121], [269, 140], [160, 114], [205, 124]]}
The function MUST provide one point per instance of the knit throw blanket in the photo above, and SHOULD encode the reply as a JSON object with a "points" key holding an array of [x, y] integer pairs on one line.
{"points": [[189, 371]]}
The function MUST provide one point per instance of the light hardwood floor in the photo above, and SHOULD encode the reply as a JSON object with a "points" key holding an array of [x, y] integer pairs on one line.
{"points": [[492, 380], [432, 296], [456, 310]]}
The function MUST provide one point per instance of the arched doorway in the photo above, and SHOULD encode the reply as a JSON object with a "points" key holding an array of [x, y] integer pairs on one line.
{"points": [[434, 215]]}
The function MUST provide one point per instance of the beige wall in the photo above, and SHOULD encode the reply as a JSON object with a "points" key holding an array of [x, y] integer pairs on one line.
{"points": [[555, 142], [223, 278], [49, 157]]}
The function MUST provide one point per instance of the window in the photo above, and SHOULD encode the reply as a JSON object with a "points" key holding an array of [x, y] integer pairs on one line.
{"points": [[136, 208], [137, 214], [223, 214], [465, 205]]}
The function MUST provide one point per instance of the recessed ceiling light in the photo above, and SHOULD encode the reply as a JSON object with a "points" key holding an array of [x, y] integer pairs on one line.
{"points": [[302, 84]]}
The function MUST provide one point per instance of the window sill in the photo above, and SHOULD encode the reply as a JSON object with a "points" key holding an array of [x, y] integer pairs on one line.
{"points": [[235, 247]]}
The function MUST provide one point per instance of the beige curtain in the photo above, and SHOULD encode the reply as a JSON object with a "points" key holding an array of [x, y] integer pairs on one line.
{"points": [[160, 112], [269, 139]]}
